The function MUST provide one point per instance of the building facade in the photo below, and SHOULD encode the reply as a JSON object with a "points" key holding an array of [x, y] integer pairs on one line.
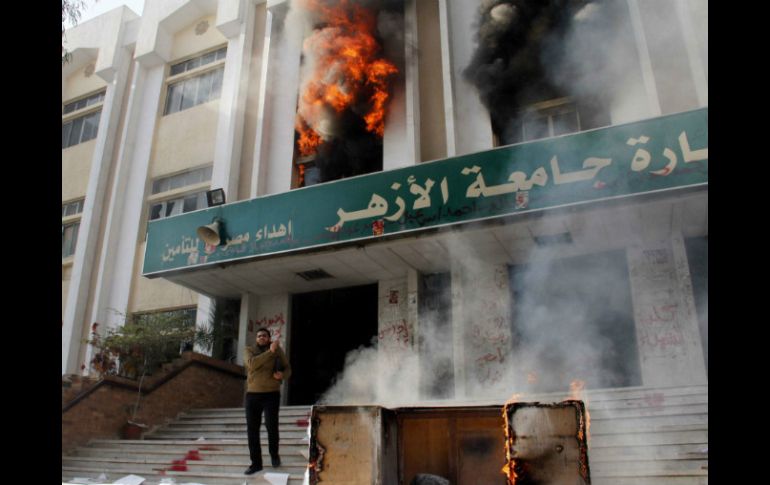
{"points": [[532, 212]]}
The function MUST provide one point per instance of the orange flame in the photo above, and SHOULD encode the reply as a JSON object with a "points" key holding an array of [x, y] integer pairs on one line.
{"points": [[346, 71], [509, 469], [576, 392]]}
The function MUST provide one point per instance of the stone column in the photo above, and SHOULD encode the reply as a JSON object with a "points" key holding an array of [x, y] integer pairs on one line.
{"points": [[667, 332]]}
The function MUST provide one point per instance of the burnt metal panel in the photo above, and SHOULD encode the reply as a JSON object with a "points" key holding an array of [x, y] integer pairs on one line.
{"points": [[546, 443]]}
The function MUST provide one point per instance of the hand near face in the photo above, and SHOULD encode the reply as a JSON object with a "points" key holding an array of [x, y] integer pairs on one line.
{"points": [[273, 346]]}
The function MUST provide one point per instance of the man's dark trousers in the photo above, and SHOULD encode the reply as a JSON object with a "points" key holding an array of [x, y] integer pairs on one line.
{"points": [[255, 403]]}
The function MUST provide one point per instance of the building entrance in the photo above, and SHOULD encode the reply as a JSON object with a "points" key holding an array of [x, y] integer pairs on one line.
{"points": [[325, 326]]}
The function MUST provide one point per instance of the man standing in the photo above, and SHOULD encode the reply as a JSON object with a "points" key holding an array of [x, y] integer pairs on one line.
{"points": [[266, 367]]}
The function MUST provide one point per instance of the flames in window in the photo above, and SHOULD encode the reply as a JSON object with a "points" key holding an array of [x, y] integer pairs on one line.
{"points": [[346, 87]]}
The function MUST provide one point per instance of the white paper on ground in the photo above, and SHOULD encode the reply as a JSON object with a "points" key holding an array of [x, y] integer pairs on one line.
{"points": [[130, 480], [277, 478]]}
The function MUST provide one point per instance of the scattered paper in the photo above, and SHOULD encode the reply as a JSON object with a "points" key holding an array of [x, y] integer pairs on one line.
{"points": [[277, 478], [130, 480]]}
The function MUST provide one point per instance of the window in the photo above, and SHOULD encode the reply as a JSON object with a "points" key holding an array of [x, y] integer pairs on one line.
{"points": [[70, 213], [182, 180], [196, 89], [307, 172], [544, 120], [189, 65], [83, 103], [181, 203], [75, 130]]}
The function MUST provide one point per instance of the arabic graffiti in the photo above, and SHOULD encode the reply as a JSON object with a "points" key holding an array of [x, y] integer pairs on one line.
{"points": [[275, 324]]}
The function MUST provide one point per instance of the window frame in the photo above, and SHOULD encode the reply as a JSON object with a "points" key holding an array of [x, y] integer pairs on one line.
{"points": [[179, 193], [84, 115], [190, 80], [70, 220]]}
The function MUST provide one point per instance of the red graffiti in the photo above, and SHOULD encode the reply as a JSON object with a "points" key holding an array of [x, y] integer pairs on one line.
{"points": [[661, 314], [488, 357], [483, 334], [275, 324], [397, 332], [662, 340], [393, 298]]}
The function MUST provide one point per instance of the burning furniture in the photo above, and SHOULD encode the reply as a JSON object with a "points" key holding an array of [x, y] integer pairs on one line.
{"points": [[542, 444]]}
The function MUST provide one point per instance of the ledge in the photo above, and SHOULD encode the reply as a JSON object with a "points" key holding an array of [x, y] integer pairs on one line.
{"points": [[154, 382]]}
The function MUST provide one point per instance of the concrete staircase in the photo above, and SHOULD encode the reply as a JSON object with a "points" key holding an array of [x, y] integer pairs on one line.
{"points": [[204, 446], [637, 436]]}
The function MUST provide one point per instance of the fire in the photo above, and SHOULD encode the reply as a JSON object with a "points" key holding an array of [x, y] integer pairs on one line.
{"points": [[347, 72], [509, 469], [576, 392]]}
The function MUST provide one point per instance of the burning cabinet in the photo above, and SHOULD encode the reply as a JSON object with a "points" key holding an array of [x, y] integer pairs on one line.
{"points": [[525, 444]]}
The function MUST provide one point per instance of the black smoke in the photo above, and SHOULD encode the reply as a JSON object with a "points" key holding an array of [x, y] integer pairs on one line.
{"points": [[352, 151], [529, 51]]}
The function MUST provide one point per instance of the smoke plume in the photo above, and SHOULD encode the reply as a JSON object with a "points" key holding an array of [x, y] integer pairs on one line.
{"points": [[530, 51]]}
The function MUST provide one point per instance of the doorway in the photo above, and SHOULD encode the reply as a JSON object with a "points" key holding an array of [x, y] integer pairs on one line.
{"points": [[325, 326]]}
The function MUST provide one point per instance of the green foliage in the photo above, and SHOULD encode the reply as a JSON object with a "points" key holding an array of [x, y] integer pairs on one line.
{"points": [[70, 10], [140, 346], [144, 343]]}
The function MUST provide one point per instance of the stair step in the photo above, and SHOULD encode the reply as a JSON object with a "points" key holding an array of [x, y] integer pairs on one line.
{"points": [[699, 480], [151, 466], [637, 436], [647, 452], [180, 477]]}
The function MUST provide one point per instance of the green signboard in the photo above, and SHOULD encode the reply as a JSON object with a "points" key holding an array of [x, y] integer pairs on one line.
{"points": [[646, 156]]}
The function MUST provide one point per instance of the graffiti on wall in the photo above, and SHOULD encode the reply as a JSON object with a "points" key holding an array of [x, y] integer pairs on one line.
{"points": [[275, 324], [395, 333], [658, 309], [489, 334]]}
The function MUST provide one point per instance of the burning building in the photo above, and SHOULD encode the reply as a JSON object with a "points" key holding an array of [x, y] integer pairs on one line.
{"points": [[429, 202]]}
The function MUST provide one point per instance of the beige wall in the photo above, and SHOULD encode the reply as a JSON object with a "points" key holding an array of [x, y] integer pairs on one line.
{"points": [[154, 294], [80, 84], [184, 139], [75, 167], [187, 42]]}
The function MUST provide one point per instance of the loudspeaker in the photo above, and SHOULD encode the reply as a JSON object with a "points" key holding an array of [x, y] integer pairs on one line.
{"points": [[210, 233]]}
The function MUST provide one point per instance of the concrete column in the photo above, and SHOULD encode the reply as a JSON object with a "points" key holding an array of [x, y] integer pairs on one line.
{"points": [[76, 317], [272, 312], [481, 329], [395, 324], [127, 203], [401, 146], [275, 138], [472, 127], [693, 58], [238, 26], [667, 332], [653, 104], [246, 324], [202, 321]]}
